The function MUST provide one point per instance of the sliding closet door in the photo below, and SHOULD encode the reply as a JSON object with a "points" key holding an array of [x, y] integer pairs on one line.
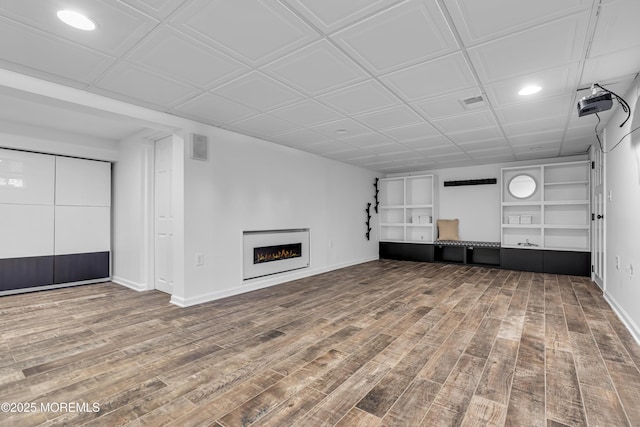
{"points": [[82, 220], [26, 219]]}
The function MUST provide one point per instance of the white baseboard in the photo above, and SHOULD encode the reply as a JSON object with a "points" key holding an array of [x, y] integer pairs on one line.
{"points": [[262, 282], [129, 284], [624, 317]]}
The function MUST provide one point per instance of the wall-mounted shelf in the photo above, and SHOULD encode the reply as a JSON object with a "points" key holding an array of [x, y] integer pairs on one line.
{"points": [[407, 207], [556, 216]]}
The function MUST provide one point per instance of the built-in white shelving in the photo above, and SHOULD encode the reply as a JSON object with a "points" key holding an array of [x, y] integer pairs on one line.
{"points": [[557, 213], [407, 209]]}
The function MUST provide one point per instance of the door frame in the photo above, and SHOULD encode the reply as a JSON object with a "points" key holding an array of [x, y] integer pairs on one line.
{"points": [[598, 225]]}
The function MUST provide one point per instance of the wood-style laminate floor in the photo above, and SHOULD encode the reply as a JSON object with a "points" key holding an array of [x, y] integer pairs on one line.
{"points": [[379, 344]]}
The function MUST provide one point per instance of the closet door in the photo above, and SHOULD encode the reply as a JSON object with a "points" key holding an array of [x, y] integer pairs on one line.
{"points": [[82, 220], [26, 219]]}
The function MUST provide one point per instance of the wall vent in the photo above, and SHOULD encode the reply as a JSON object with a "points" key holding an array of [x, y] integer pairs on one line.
{"points": [[199, 147]]}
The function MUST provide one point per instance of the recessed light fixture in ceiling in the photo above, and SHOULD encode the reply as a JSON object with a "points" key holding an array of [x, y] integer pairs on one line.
{"points": [[76, 20], [529, 90]]}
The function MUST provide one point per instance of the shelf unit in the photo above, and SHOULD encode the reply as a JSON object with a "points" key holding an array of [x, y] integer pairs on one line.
{"points": [[556, 214], [407, 213]]}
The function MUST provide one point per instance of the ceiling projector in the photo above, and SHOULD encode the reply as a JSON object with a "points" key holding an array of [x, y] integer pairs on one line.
{"points": [[594, 103]]}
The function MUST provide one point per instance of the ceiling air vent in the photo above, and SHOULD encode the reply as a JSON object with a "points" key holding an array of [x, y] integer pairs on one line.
{"points": [[473, 102], [199, 147]]}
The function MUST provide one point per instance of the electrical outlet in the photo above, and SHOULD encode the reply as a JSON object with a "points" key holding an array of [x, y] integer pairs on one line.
{"points": [[617, 262], [199, 260], [629, 270]]}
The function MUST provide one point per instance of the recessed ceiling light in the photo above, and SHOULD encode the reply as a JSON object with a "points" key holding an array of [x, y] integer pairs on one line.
{"points": [[76, 20], [529, 90]]}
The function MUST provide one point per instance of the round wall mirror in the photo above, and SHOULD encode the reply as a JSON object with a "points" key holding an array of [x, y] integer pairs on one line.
{"points": [[522, 186]]}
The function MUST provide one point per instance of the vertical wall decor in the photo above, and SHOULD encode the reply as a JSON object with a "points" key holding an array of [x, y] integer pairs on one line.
{"points": [[368, 223], [375, 185]]}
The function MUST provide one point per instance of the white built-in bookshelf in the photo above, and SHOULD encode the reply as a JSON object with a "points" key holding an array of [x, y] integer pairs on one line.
{"points": [[556, 215], [407, 209]]}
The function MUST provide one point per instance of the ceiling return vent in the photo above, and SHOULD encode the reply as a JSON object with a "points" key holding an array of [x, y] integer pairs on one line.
{"points": [[473, 102]]}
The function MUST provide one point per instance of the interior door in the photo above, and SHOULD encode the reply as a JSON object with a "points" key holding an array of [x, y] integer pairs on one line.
{"points": [[598, 218], [163, 218]]}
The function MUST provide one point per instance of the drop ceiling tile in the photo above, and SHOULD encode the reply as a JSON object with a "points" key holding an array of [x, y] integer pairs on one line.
{"points": [[429, 143], [411, 132], [159, 9], [49, 54], [330, 15], [465, 122], [307, 113], [299, 138], [451, 104], [476, 135], [538, 109], [128, 81], [584, 132], [494, 154], [439, 150], [617, 66], [403, 35], [360, 98], [436, 77], [215, 110], [258, 91], [262, 126], [256, 31], [535, 126], [316, 69], [323, 148], [478, 21], [537, 138], [119, 26], [554, 82], [366, 140], [552, 147], [549, 45], [170, 53], [350, 127], [497, 143], [392, 148], [390, 118], [617, 28]]}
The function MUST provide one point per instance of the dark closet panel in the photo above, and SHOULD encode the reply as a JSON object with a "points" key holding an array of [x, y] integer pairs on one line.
{"points": [[29, 272], [81, 267]]}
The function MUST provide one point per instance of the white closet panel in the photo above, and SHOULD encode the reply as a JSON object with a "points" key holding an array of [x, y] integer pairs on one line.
{"points": [[82, 182], [26, 178], [82, 229], [26, 230]]}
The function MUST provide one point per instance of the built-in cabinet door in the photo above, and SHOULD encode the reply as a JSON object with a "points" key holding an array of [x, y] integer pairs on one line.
{"points": [[55, 220], [163, 216]]}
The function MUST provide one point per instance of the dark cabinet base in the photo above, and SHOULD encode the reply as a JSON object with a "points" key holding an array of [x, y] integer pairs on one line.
{"points": [[535, 260]]}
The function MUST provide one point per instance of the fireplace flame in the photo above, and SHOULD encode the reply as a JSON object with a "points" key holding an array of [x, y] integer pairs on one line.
{"points": [[275, 256]]}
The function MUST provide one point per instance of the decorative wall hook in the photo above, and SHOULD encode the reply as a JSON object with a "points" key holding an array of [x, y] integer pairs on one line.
{"points": [[375, 184], [368, 222]]}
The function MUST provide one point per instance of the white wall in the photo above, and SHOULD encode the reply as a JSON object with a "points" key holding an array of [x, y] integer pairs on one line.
{"points": [[622, 214], [249, 184], [130, 200]]}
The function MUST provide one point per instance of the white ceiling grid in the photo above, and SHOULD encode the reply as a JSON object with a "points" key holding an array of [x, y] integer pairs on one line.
{"points": [[378, 84]]}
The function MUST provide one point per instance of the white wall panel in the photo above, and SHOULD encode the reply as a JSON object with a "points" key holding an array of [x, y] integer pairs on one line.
{"points": [[82, 182], [26, 230], [82, 229], [26, 178]]}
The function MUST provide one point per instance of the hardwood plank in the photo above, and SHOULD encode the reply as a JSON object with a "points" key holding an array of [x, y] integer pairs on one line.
{"points": [[413, 343], [412, 406], [495, 383], [484, 412]]}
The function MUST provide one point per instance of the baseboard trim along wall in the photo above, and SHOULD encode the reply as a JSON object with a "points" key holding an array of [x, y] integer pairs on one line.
{"points": [[139, 287], [260, 283], [632, 327]]}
